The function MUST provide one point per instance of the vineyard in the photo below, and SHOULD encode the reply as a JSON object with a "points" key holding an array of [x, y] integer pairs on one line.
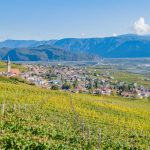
{"points": [[35, 118]]}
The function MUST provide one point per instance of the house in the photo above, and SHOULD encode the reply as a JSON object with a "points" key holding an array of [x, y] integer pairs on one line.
{"points": [[15, 72]]}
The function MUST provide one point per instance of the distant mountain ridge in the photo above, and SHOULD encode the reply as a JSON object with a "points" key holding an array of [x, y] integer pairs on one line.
{"points": [[24, 43], [123, 46], [43, 53]]}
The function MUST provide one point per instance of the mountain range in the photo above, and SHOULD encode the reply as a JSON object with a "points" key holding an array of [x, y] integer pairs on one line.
{"points": [[43, 53], [123, 46]]}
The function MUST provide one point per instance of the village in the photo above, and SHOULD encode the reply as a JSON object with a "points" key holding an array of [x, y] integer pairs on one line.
{"points": [[76, 79]]}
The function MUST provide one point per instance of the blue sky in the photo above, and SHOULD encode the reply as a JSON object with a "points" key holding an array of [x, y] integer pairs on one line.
{"points": [[55, 19]]}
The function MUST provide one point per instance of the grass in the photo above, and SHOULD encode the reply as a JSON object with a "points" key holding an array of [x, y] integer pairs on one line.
{"points": [[44, 119], [124, 76], [132, 78], [3, 66]]}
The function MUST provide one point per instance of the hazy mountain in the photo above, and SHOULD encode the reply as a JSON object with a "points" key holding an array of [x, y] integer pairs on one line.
{"points": [[24, 43], [123, 46], [112, 47], [43, 53]]}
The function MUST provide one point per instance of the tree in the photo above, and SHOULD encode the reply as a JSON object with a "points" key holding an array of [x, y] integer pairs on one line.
{"points": [[90, 85], [124, 87], [96, 83], [66, 86], [75, 83], [55, 87]]}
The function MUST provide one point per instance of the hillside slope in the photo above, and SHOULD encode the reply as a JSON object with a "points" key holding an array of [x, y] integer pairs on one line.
{"points": [[36, 118]]}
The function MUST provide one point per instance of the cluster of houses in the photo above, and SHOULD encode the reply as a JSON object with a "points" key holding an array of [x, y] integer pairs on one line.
{"points": [[77, 80], [35, 75], [85, 80], [137, 93]]}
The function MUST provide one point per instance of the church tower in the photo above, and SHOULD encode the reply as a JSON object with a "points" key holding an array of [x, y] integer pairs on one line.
{"points": [[8, 65]]}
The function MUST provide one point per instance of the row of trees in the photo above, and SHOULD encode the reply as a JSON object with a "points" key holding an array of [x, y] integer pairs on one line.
{"points": [[65, 86]]}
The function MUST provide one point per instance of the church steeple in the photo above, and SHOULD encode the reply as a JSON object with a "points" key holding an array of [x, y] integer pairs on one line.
{"points": [[8, 65]]}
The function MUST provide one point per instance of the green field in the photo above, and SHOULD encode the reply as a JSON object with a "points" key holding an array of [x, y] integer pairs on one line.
{"points": [[36, 118], [130, 77], [123, 75], [3, 66]]}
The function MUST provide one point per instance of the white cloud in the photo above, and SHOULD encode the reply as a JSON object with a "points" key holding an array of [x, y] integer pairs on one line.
{"points": [[83, 34], [115, 34], [140, 27]]}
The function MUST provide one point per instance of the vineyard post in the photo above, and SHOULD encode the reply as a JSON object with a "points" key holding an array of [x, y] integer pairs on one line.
{"points": [[73, 109], [118, 124], [99, 139], [77, 116], [82, 125], [25, 107], [14, 107], [71, 103], [88, 138], [3, 109], [19, 108], [88, 135], [124, 126]]}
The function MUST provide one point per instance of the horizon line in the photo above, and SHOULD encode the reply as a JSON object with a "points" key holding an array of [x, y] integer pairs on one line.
{"points": [[14, 39]]}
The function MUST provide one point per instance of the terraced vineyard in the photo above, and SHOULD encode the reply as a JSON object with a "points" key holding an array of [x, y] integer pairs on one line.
{"points": [[35, 118]]}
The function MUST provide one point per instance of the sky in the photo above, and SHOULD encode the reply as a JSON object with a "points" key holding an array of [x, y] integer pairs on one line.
{"points": [[56, 19]]}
